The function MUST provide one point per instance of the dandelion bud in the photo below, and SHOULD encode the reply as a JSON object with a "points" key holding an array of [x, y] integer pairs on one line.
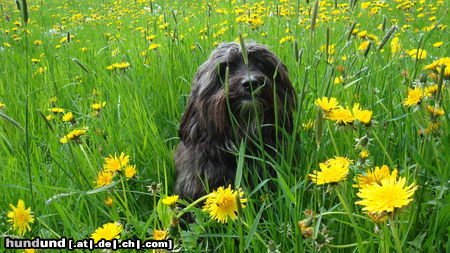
{"points": [[423, 78], [154, 188], [175, 221], [362, 142], [320, 238], [272, 246]]}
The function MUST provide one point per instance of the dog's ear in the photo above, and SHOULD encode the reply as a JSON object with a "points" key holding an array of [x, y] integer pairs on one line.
{"points": [[286, 94], [196, 122], [187, 131], [205, 114]]}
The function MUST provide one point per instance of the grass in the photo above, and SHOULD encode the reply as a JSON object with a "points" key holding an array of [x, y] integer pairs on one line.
{"points": [[75, 41]]}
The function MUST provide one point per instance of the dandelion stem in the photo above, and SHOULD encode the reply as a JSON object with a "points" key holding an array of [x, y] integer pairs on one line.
{"points": [[383, 148], [87, 158], [332, 139], [192, 205], [397, 243], [47, 227], [356, 215], [343, 246]]}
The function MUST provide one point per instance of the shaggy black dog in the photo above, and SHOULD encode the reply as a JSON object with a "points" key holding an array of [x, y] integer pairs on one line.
{"points": [[231, 101]]}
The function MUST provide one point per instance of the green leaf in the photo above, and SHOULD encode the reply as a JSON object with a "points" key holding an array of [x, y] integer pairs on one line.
{"points": [[240, 165], [254, 226]]}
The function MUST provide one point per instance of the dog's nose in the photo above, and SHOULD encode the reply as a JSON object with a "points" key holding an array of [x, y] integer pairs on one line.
{"points": [[250, 83]]}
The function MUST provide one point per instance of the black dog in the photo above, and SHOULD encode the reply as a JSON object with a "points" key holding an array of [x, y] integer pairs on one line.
{"points": [[230, 101]]}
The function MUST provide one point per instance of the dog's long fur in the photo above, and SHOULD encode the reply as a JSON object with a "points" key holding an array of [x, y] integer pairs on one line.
{"points": [[214, 123]]}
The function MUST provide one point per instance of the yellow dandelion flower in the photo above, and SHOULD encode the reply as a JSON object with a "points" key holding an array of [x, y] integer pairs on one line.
{"points": [[108, 232], [286, 39], [387, 196], [308, 125], [327, 104], [375, 176], [160, 234], [150, 37], [154, 46], [68, 117], [307, 232], [73, 135], [438, 44], [130, 171], [37, 42], [363, 46], [365, 5], [417, 53], [433, 126], [414, 97], [341, 116], [64, 139], [170, 201], [364, 116], [103, 178], [123, 65], [115, 66], [338, 80], [164, 26], [20, 217], [364, 154], [362, 34], [98, 106], [222, 203], [41, 70], [6, 44], [435, 111], [109, 201], [116, 163], [430, 90], [332, 171], [339, 161], [2, 105], [331, 48], [96, 93], [438, 63], [56, 110]]}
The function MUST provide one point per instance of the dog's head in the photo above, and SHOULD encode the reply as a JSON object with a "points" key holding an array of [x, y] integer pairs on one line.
{"points": [[226, 90]]}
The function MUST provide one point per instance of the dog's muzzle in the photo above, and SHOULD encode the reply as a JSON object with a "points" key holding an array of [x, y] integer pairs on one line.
{"points": [[253, 84]]}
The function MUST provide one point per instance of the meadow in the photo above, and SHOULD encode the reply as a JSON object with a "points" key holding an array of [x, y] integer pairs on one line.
{"points": [[92, 93]]}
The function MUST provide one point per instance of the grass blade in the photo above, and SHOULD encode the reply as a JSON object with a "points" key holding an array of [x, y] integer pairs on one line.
{"points": [[10, 120]]}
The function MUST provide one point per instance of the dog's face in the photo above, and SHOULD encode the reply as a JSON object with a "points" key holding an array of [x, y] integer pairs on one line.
{"points": [[226, 87]]}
